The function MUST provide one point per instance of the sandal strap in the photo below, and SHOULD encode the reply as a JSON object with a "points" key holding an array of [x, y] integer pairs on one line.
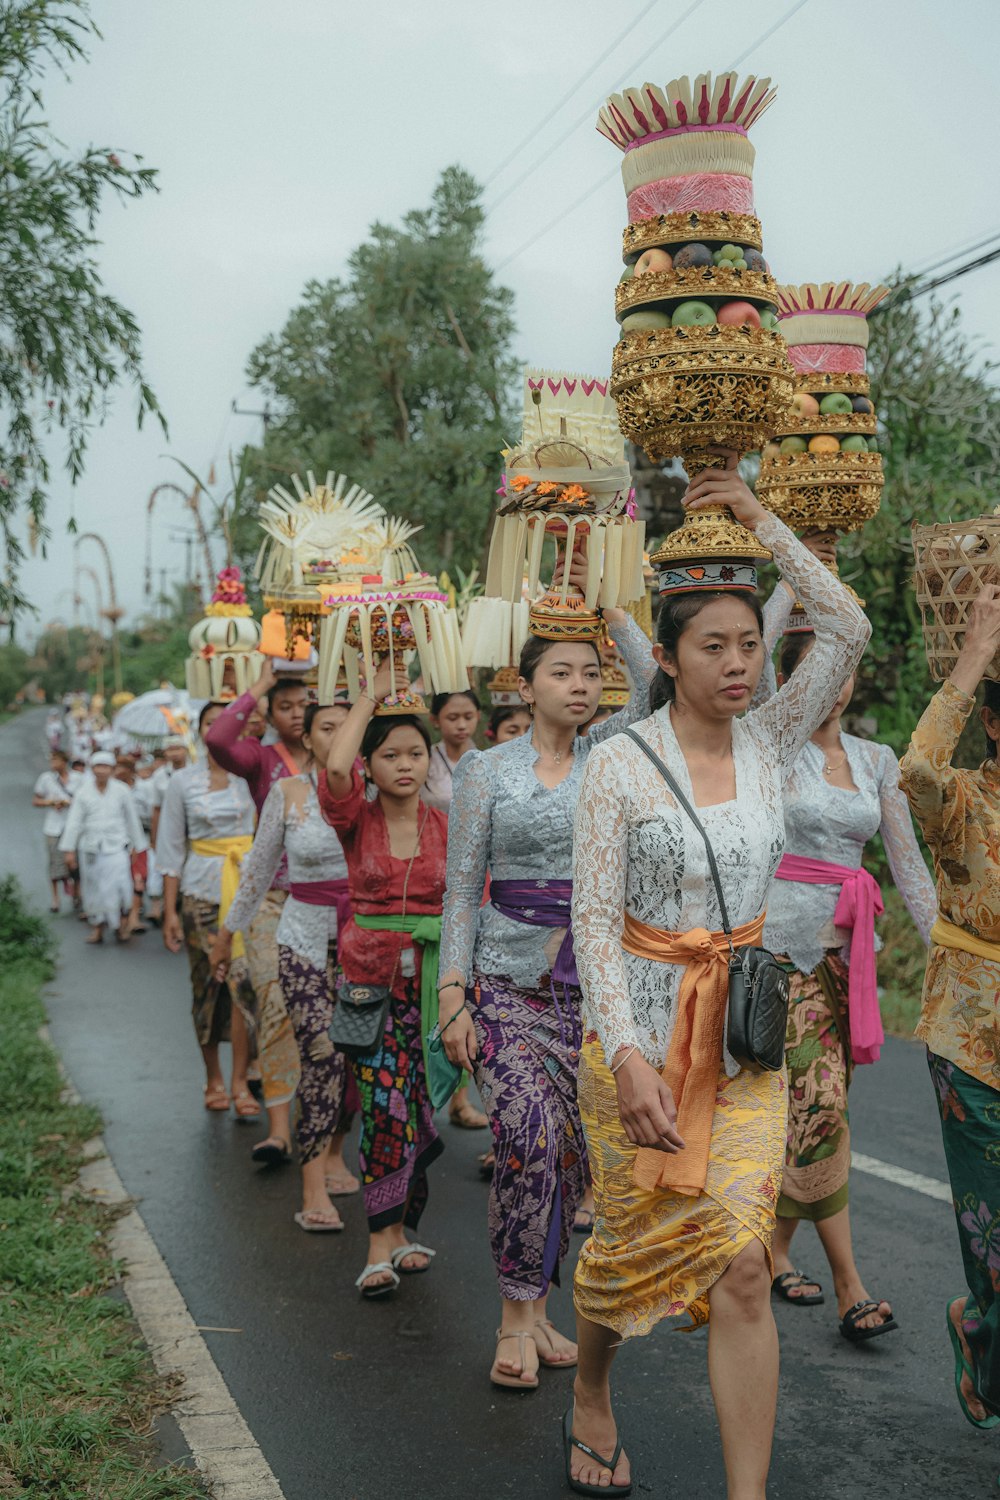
{"points": [[379, 1265], [861, 1310], [611, 1465], [402, 1251]]}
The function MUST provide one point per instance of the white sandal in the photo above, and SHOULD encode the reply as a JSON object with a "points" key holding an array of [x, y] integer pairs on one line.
{"points": [[402, 1251], [382, 1288]]}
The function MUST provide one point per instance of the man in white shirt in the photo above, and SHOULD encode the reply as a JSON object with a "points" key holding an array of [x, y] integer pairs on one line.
{"points": [[54, 792], [101, 834]]}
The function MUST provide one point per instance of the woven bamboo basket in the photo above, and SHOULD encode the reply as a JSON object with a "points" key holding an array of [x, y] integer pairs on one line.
{"points": [[953, 561]]}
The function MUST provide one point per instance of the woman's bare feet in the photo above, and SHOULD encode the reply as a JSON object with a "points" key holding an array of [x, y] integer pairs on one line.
{"points": [[851, 1294], [381, 1247], [553, 1348], [976, 1408], [594, 1424]]}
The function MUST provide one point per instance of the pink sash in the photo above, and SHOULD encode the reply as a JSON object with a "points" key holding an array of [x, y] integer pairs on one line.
{"points": [[859, 904]]}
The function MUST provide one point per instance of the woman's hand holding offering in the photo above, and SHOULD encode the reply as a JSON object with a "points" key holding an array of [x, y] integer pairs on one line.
{"points": [[714, 487]]}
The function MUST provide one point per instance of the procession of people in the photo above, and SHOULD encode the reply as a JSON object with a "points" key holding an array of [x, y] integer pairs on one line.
{"points": [[554, 912]]}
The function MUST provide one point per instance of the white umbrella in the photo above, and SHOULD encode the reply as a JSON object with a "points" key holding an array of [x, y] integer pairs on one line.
{"points": [[153, 717]]}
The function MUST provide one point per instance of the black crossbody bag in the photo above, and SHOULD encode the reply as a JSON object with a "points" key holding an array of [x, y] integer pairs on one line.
{"points": [[758, 985]]}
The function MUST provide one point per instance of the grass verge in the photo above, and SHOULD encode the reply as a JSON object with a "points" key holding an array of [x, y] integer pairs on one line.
{"points": [[78, 1391]]}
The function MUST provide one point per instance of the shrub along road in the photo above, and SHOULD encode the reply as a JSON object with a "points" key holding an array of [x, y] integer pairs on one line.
{"points": [[359, 1400]]}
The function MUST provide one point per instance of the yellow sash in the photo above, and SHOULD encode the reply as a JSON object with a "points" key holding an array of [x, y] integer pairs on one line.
{"points": [[947, 935], [231, 852]]}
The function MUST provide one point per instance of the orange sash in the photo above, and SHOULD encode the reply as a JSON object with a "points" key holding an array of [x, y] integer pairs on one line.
{"points": [[691, 1070]]}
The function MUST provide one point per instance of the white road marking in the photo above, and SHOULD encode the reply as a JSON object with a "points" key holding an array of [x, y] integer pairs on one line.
{"points": [[931, 1187]]}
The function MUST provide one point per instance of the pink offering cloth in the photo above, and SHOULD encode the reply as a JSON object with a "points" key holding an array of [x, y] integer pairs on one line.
{"points": [[811, 359], [698, 192], [859, 904]]}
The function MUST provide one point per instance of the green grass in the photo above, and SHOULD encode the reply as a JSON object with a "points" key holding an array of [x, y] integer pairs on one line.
{"points": [[78, 1391], [900, 965]]}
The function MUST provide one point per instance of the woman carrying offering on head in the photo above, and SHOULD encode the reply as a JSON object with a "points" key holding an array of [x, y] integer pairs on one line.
{"points": [[686, 1148], [959, 815], [395, 846], [510, 999], [204, 832], [293, 828], [839, 793]]}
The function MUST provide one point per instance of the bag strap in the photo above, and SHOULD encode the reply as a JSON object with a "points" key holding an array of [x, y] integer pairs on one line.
{"points": [[671, 781]]}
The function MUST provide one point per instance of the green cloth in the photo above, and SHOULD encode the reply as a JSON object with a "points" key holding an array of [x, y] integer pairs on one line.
{"points": [[427, 932]]}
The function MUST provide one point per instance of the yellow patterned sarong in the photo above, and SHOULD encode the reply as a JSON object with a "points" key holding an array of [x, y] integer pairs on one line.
{"points": [[655, 1254]]}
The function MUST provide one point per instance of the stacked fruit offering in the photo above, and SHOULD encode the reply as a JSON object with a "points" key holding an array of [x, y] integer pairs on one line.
{"points": [[700, 363], [824, 468]]}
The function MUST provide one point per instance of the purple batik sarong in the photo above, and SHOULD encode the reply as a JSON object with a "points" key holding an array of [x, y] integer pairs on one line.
{"points": [[526, 1070]]}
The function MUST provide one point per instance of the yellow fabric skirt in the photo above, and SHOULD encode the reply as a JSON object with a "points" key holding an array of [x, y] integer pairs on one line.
{"points": [[655, 1255]]}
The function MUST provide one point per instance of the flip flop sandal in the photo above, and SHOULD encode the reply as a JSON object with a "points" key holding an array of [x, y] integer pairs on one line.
{"points": [[467, 1118], [849, 1323], [216, 1100], [543, 1359], [583, 1223], [570, 1442], [402, 1251], [513, 1382], [335, 1186], [487, 1165], [316, 1221], [799, 1278], [246, 1106], [271, 1153], [962, 1368], [384, 1288]]}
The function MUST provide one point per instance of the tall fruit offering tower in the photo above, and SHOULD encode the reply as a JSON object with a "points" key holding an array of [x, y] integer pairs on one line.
{"points": [[700, 362]]}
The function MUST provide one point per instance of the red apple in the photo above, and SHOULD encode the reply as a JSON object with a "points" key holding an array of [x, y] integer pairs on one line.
{"points": [[735, 313], [654, 260]]}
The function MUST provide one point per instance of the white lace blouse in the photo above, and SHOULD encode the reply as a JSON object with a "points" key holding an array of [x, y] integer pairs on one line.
{"points": [[291, 823], [192, 810], [636, 850], [503, 820]]}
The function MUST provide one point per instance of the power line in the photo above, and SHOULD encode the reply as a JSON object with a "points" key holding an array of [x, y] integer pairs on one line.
{"points": [[588, 112], [954, 254], [567, 96], [907, 293], [595, 187]]}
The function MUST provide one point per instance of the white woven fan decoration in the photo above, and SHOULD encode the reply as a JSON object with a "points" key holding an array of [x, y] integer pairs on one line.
{"points": [[320, 522]]}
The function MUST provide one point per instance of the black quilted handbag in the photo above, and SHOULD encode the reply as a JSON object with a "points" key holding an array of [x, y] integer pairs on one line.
{"points": [[359, 1017], [758, 985]]}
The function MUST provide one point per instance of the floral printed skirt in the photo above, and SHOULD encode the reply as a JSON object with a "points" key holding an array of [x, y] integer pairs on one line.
{"points": [[970, 1129], [656, 1254], [211, 1003], [817, 1053]]}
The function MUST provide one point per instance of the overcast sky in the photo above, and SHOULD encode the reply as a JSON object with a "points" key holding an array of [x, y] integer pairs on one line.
{"points": [[281, 131]]}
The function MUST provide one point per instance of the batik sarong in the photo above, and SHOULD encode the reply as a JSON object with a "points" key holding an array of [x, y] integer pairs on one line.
{"points": [[211, 1002], [398, 1138], [278, 1056], [656, 1253], [817, 1052], [308, 996], [528, 1056], [970, 1129]]}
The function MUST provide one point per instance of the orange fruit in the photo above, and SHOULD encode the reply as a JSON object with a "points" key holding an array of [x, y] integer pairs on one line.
{"points": [[825, 442]]}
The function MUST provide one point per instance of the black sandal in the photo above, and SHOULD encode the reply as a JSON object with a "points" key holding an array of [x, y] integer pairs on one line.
{"points": [[570, 1442], [849, 1323], [271, 1153], [780, 1285]]}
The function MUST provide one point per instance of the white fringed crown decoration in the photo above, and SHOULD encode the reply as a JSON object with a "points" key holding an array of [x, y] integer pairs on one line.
{"points": [[566, 479], [224, 645], [833, 312]]}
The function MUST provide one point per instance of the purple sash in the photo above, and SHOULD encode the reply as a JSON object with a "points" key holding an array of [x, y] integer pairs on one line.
{"points": [[325, 893], [543, 903]]}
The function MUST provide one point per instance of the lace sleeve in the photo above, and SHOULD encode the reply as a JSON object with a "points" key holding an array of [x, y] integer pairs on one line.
{"points": [[776, 612], [634, 645], [468, 853], [342, 813], [842, 632], [171, 835], [932, 786], [600, 857], [906, 862], [261, 865]]}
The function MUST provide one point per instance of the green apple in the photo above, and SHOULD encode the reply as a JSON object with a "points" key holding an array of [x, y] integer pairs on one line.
{"points": [[793, 445], [873, 445], [645, 322], [768, 318], [627, 274], [836, 404], [693, 315], [854, 444]]}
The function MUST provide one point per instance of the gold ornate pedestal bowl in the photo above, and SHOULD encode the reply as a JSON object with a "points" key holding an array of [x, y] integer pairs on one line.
{"points": [[834, 491]]}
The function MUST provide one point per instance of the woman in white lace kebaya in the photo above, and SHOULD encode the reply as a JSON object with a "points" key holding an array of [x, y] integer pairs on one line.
{"points": [[316, 908], [509, 984], [687, 1162], [839, 793]]}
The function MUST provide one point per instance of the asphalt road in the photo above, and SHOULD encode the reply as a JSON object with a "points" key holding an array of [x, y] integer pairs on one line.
{"points": [[373, 1401]]}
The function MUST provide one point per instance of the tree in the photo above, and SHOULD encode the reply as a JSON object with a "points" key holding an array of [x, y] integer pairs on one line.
{"points": [[939, 406], [400, 376], [65, 343]]}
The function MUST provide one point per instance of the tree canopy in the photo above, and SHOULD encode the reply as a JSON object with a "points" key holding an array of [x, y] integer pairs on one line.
{"points": [[399, 374], [65, 342]]}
